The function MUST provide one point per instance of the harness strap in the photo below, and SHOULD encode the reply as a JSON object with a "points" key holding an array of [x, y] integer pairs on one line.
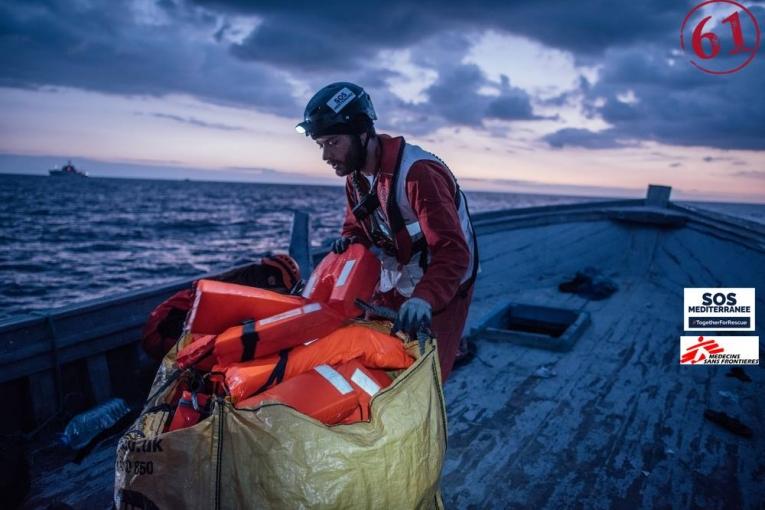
{"points": [[250, 339], [465, 287], [277, 375]]}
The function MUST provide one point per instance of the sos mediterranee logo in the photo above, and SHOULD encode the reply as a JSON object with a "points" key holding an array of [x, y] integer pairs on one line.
{"points": [[721, 309], [720, 36]]}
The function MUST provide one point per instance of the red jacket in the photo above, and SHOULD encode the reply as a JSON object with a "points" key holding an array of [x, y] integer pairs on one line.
{"points": [[431, 191]]}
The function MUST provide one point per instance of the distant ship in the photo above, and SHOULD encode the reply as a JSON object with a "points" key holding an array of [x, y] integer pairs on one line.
{"points": [[67, 171]]}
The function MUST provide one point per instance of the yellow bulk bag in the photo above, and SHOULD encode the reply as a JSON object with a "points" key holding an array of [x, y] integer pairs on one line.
{"points": [[273, 457]]}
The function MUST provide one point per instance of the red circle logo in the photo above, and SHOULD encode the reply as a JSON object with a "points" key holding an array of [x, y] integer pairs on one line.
{"points": [[722, 36]]}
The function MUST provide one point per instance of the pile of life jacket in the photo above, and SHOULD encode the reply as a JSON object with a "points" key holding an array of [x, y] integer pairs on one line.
{"points": [[278, 272], [257, 346]]}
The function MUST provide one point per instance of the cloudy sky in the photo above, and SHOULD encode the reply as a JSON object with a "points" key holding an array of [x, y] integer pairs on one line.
{"points": [[591, 97]]}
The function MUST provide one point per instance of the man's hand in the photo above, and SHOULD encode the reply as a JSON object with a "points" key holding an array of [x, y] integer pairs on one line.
{"points": [[415, 314], [341, 244]]}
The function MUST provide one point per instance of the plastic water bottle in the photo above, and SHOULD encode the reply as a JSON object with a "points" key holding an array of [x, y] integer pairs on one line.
{"points": [[85, 426]]}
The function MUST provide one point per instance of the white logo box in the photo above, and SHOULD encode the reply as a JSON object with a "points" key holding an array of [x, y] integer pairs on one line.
{"points": [[719, 350], [718, 309]]}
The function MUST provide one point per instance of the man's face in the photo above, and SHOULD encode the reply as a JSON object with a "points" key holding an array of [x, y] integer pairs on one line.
{"points": [[342, 152]]}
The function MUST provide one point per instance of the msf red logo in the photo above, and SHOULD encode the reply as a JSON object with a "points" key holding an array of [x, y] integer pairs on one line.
{"points": [[698, 352]]}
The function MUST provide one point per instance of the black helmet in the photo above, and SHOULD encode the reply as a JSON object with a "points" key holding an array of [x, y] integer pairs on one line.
{"points": [[340, 108]]}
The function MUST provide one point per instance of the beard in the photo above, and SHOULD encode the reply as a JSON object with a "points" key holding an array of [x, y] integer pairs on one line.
{"points": [[354, 159]]}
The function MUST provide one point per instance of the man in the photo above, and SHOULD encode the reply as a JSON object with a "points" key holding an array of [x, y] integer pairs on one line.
{"points": [[405, 204]]}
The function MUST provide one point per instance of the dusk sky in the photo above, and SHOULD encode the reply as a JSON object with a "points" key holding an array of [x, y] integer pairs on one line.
{"points": [[590, 97]]}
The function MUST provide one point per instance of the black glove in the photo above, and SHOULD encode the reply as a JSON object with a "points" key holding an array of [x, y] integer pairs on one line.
{"points": [[341, 244], [413, 317]]}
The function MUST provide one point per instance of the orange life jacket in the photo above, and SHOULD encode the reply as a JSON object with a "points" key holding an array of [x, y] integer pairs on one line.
{"points": [[373, 348], [261, 338], [197, 354], [275, 333], [190, 411], [322, 393], [366, 382], [218, 306], [341, 278]]}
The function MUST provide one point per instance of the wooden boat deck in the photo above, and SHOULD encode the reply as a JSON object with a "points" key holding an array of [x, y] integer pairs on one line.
{"points": [[620, 424], [86, 486]]}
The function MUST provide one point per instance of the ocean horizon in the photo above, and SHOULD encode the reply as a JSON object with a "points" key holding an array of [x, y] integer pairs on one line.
{"points": [[68, 240]]}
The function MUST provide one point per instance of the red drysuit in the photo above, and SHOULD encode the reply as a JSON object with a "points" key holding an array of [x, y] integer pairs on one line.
{"points": [[431, 191]]}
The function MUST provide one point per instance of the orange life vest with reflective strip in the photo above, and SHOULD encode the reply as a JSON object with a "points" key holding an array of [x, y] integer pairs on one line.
{"points": [[373, 348]]}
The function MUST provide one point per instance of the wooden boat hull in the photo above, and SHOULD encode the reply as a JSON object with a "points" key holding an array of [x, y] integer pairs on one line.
{"points": [[613, 422]]}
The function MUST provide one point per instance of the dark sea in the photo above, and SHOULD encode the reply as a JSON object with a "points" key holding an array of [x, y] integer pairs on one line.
{"points": [[67, 240]]}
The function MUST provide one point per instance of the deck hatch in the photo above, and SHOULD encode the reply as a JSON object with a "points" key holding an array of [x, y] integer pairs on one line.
{"points": [[541, 327]]}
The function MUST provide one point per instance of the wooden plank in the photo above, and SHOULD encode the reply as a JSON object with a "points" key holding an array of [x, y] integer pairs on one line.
{"points": [[554, 209], [713, 218], [300, 243], [82, 330], [89, 484], [98, 373], [657, 196], [87, 346], [43, 394]]}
